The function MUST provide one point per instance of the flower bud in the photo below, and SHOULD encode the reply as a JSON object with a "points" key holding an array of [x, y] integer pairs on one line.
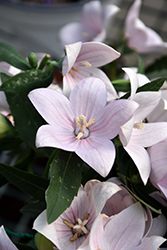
{"points": [[33, 60]]}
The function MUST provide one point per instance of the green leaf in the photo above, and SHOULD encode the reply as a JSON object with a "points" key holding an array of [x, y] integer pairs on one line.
{"points": [[10, 55], [157, 68], [34, 208], [65, 180], [26, 117], [4, 77], [30, 184], [151, 86]]}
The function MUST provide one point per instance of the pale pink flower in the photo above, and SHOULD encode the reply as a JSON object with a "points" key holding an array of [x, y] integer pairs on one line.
{"points": [[158, 157], [73, 226], [82, 60], [119, 201], [159, 114], [140, 37], [137, 135], [94, 20], [84, 123], [124, 231], [5, 242]]}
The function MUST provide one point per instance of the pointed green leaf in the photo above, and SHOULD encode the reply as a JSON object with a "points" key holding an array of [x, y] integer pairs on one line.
{"points": [[10, 55], [65, 180], [151, 86], [30, 184]]}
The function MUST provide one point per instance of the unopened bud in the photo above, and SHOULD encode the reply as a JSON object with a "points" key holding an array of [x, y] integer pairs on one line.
{"points": [[33, 60]]}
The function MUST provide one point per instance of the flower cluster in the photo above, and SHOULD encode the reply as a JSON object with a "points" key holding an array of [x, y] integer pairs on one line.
{"points": [[99, 138]]}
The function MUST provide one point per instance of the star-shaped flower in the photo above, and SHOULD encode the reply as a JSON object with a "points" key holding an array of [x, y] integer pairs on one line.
{"points": [[84, 123]]}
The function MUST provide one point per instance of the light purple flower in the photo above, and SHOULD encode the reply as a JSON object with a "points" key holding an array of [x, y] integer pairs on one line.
{"points": [[5, 242], [94, 20], [83, 124], [73, 226], [124, 231], [82, 60], [140, 37]]}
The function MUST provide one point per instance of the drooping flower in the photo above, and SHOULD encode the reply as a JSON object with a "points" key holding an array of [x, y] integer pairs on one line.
{"points": [[123, 231], [140, 37], [82, 60], [74, 225], [94, 20], [5, 242], [136, 135], [84, 123]]}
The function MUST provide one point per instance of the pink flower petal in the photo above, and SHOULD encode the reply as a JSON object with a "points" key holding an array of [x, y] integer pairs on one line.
{"points": [[97, 54], [72, 51], [53, 106], [114, 116], [162, 184], [151, 243], [121, 231], [88, 98], [99, 153], [150, 134], [141, 158], [158, 159], [92, 16], [71, 33], [58, 137]]}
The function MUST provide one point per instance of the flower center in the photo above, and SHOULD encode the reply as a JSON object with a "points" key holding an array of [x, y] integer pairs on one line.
{"points": [[82, 130], [79, 229], [74, 69]]}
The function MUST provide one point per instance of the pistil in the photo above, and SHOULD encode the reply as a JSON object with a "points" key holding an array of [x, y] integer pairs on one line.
{"points": [[82, 130]]}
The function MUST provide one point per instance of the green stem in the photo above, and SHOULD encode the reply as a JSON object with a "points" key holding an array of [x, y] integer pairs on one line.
{"points": [[30, 236]]}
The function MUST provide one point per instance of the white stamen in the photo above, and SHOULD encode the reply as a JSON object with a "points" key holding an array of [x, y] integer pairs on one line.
{"points": [[78, 229]]}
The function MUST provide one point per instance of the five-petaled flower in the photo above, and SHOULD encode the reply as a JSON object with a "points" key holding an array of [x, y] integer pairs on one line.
{"points": [[84, 123]]}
